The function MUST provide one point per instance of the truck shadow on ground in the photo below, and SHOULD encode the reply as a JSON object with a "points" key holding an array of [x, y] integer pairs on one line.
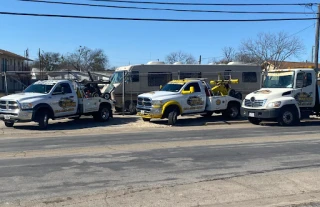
{"points": [[199, 121], [83, 123], [310, 122]]}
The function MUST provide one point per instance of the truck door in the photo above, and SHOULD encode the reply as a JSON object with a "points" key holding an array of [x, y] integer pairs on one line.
{"points": [[64, 100], [305, 93], [195, 102]]}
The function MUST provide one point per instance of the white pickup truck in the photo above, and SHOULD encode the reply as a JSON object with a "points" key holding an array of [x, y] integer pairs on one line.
{"points": [[185, 97], [54, 99], [287, 96]]}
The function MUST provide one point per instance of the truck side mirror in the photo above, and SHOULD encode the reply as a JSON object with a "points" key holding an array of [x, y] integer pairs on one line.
{"points": [[62, 90], [191, 89]]}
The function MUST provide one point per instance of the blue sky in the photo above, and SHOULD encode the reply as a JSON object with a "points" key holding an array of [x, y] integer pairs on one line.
{"points": [[137, 42]]}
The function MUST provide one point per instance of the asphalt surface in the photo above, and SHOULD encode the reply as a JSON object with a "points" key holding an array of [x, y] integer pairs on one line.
{"points": [[34, 168]]}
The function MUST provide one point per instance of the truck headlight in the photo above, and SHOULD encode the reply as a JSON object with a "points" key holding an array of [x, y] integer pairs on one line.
{"points": [[275, 104], [157, 104], [26, 105]]}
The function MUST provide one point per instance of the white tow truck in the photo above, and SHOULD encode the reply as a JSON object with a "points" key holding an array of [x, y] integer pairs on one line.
{"points": [[55, 99], [185, 97], [287, 96]]}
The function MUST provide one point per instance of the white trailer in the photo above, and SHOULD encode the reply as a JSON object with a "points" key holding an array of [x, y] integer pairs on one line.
{"points": [[129, 81]]}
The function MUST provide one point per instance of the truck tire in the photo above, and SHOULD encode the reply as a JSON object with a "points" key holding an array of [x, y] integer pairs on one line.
{"points": [[232, 112], [43, 119], [254, 121], [9, 124], [288, 117], [103, 114], [146, 119], [173, 116]]}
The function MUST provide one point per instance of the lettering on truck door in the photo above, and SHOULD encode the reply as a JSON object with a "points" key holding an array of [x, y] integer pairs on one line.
{"points": [[64, 100], [195, 102], [305, 93]]}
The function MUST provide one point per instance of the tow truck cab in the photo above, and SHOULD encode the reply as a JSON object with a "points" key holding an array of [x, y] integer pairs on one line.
{"points": [[287, 96]]}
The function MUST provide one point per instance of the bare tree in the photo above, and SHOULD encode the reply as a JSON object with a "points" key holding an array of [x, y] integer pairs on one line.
{"points": [[229, 54], [180, 56], [274, 48], [50, 61], [86, 59]]}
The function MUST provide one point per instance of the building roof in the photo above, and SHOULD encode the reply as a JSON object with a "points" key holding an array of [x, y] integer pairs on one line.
{"points": [[285, 65], [10, 54]]}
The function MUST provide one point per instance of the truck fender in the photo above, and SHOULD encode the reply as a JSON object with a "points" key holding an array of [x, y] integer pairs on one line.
{"points": [[292, 103], [170, 103], [42, 106]]}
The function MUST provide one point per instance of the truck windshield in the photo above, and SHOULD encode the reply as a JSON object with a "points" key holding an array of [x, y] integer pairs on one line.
{"points": [[172, 87], [279, 80], [39, 88]]}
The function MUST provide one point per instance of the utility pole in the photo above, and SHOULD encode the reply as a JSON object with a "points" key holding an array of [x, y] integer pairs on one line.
{"points": [[316, 59], [199, 60]]}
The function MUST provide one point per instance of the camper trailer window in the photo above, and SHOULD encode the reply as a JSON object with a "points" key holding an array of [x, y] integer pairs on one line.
{"points": [[158, 78], [250, 77], [190, 75], [135, 76]]}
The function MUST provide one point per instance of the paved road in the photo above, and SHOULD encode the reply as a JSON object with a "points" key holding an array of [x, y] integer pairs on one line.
{"points": [[34, 168]]}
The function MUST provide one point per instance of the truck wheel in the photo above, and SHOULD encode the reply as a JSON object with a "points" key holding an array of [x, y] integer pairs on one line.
{"points": [[288, 117], [132, 108], [43, 119], [9, 124], [146, 119], [254, 121], [103, 114], [173, 117], [232, 112]]}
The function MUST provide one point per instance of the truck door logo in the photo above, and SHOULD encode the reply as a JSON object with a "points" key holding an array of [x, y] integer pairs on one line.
{"points": [[304, 99], [66, 104], [195, 101]]}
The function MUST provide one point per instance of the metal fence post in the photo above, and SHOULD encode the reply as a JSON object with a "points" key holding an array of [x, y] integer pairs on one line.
{"points": [[123, 91], [6, 82]]}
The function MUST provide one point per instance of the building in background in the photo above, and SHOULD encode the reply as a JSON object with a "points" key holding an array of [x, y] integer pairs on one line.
{"points": [[16, 69]]}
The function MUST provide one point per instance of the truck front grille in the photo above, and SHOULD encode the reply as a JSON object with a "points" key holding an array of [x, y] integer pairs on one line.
{"points": [[142, 102], [9, 105], [256, 103]]}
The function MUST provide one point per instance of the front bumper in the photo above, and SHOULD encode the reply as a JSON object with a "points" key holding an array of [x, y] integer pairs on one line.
{"points": [[260, 113], [20, 116], [152, 113]]}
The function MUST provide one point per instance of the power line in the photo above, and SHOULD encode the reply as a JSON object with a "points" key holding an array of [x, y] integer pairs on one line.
{"points": [[154, 19], [162, 9], [302, 30], [202, 4]]}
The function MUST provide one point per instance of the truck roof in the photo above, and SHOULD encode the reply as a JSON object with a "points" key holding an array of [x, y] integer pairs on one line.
{"points": [[291, 69], [50, 82], [183, 81]]}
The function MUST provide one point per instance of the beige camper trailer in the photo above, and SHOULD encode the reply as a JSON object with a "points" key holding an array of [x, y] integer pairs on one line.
{"points": [[143, 78]]}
